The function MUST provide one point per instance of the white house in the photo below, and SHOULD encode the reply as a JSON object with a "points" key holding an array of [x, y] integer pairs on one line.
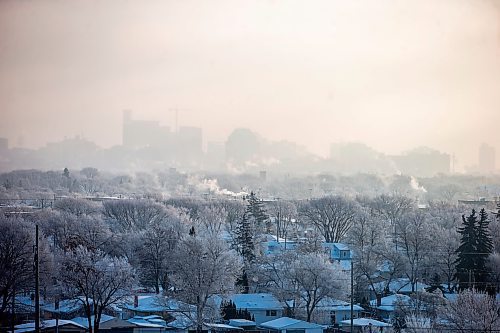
{"points": [[107, 324], [331, 311], [263, 307], [290, 325], [365, 325], [401, 286], [63, 326], [388, 305], [153, 305]]}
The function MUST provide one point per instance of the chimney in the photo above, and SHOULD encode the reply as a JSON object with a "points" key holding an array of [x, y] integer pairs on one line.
{"points": [[136, 301]]}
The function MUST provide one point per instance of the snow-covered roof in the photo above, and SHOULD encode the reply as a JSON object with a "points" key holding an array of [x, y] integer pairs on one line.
{"points": [[154, 303], [401, 285], [30, 327], [241, 322], [141, 322], [365, 322], [336, 305], [65, 306], [288, 323], [388, 303], [84, 321], [181, 321], [256, 302], [341, 246], [223, 326]]}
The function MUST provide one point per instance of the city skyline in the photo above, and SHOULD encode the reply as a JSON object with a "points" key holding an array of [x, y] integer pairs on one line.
{"points": [[392, 75]]}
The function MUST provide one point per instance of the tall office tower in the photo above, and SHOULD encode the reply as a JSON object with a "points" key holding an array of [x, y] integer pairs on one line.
{"points": [[486, 158]]}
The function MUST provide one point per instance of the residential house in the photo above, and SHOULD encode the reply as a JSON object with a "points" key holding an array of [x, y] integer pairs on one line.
{"points": [[148, 324], [52, 326], [153, 305], [290, 325], [388, 304], [108, 324], [331, 311], [263, 307], [64, 309], [362, 325]]}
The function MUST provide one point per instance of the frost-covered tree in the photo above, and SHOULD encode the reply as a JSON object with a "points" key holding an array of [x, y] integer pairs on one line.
{"points": [[155, 250], [95, 280], [134, 215], [472, 311], [16, 259], [283, 212], [77, 206], [17, 238], [415, 243], [332, 216], [316, 279], [212, 219], [274, 276], [441, 260], [203, 267]]}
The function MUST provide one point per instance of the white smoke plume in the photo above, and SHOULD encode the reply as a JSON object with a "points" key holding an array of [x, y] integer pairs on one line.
{"points": [[416, 186], [211, 185]]}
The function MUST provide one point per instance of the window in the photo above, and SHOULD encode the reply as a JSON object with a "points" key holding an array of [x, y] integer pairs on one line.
{"points": [[271, 313]]}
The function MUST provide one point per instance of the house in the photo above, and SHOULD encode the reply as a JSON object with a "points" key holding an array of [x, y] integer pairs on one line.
{"points": [[148, 324], [222, 328], [153, 305], [401, 286], [331, 311], [243, 323], [388, 304], [262, 307], [337, 251], [65, 309], [108, 324], [290, 325], [364, 325], [52, 326]]}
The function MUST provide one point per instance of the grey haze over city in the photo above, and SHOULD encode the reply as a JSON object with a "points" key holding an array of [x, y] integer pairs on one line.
{"points": [[394, 76], [249, 166]]}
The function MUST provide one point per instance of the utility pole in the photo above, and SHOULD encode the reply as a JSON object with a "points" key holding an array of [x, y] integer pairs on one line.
{"points": [[12, 321], [37, 285], [352, 295]]}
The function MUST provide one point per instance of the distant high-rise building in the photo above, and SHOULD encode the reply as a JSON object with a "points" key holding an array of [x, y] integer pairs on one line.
{"points": [[424, 162], [4, 144], [142, 133], [486, 158]]}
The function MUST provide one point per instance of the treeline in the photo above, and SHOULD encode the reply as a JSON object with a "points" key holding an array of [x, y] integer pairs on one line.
{"points": [[172, 183], [192, 248]]}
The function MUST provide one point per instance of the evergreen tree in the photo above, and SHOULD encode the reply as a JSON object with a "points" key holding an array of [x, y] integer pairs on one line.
{"points": [[255, 208], [476, 245], [484, 250], [466, 263], [245, 242]]}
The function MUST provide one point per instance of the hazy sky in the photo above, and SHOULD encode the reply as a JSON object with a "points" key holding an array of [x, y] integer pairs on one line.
{"points": [[394, 74]]}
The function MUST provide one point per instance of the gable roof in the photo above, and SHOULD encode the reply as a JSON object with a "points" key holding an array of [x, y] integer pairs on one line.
{"points": [[46, 324], [256, 302], [337, 305], [365, 322], [155, 303], [288, 323]]}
